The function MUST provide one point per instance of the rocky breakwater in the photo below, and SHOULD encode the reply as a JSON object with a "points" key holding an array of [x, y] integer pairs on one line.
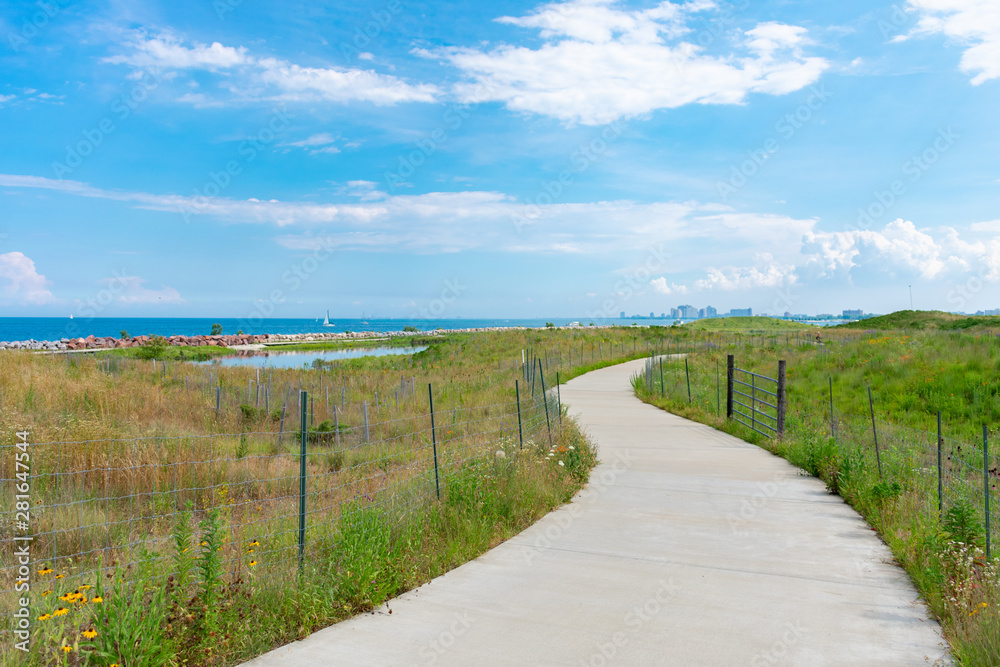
{"points": [[110, 343]]}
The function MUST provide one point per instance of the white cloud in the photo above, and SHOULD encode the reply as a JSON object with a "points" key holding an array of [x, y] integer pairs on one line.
{"points": [[128, 290], [600, 63], [766, 273], [250, 78], [317, 144], [992, 226], [20, 281], [975, 24], [900, 246], [660, 286]]}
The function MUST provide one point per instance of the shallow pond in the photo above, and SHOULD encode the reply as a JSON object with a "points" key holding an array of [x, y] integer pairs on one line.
{"points": [[298, 359]]}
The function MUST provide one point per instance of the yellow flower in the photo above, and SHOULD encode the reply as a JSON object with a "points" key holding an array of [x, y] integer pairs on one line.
{"points": [[97, 599], [252, 563], [44, 617], [45, 570], [44, 593], [984, 605], [61, 611], [67, 649], [89, 634], [84, 587], [60, 576], [250, 551], [255, 543]]}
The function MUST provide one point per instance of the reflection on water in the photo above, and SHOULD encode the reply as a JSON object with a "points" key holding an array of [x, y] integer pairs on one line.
{"points": [[277, 359]]}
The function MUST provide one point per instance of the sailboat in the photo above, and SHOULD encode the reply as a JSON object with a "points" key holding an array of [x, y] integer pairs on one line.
{"points": [[326, 320]]}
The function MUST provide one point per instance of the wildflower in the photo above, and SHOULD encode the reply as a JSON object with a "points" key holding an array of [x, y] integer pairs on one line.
{"points": [[97, 599], [46, 570], [252, 563], [561, 463], [44, 617], [61, 611], [89, 634], [67, 649], [255, 543], [204, 543], [60, 576], [44, 593], [84, 587]]}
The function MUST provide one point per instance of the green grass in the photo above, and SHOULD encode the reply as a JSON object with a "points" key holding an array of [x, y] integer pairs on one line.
{"points": [[416, 340], [911, 377], [755, 324], [920, 320]]}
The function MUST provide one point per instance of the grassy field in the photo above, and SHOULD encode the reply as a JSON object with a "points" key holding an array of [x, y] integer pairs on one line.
{"points": [[921, 320], [165, 495], [754, 324], [912, 376]]}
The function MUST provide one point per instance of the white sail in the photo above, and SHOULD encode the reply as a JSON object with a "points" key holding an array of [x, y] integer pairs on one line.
{"points": [[326, 320]]}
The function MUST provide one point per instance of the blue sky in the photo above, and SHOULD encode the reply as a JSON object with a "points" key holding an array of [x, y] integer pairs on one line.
{"points": [[510, 159]]}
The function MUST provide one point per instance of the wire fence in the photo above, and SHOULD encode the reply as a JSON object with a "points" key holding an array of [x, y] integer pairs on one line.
{"points": [[278, 486], [956, 474]]}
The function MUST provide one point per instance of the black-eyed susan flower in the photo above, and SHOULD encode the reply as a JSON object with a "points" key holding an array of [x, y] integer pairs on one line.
{"points": [[252, 563], [44, 617], [61, 611], [45, 570], [60, 576], [97, 599], [255, 543], [84, 587], [66, 649], [89, 634], [44, 593]]}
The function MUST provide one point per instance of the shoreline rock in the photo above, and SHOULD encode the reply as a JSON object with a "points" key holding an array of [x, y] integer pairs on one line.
{"points": [[226, 340]]}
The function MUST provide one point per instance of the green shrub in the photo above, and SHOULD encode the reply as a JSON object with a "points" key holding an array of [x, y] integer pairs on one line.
{"points": [[153, 348], [216, 329], [961, 524]]}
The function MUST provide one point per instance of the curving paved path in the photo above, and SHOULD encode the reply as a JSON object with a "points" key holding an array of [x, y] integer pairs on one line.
{"points": [[688, 547]]}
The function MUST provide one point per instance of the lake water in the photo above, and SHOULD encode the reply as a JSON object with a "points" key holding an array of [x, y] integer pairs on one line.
{"points": [[272, 359]]}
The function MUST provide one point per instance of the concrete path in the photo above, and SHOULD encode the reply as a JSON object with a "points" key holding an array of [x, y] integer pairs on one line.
{"points": [[689, 547]]}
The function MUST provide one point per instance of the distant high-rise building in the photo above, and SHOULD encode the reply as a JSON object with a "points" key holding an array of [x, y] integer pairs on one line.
{"points": [[854, 314], [675, 314], [651, 315], [663, 316], [711, 312], [688, 312], [741, 312], [622, 315], [701, 313]]}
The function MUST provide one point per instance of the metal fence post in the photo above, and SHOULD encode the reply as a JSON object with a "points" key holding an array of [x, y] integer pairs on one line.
{"points": [[218, 400], [940, 444], [281, 424], [687, 374], [434, 443], [878, 456], [368, 435], [782, 396], [663, 389], [520, 433], [833, 432], [558, 397], [730, 372], [986, 487], [545, 400], [304, 433]]}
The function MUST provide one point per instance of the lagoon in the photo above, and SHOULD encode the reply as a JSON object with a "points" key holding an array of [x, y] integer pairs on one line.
{"points": [[298, 359]]}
